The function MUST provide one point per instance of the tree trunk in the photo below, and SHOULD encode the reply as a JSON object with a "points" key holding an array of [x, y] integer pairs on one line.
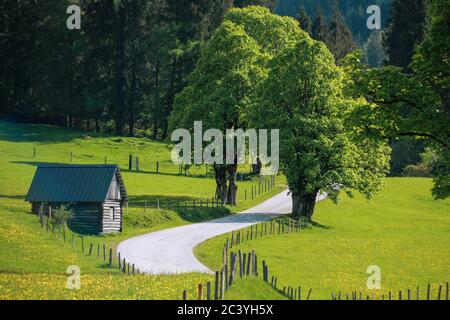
{"points": [[303, 204], [256, 168], [221, 184], [232, 185], [155, 131]]}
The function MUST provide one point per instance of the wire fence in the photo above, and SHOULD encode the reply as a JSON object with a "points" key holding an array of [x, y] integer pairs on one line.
{"points": [[259, 189], [144, 164], [237, 265], [78, 243]]}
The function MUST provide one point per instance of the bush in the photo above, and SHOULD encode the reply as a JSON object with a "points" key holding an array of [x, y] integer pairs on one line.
{"points": [[61, 215], [424, 169], [420, 170]]}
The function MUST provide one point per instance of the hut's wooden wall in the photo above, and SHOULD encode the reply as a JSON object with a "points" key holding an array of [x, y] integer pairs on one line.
{"points": [[90, 218], [112, 222], [86, 218]]}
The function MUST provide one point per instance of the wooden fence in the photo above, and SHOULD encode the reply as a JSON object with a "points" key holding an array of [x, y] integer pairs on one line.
{"points": [[278, 226], [442, 293], [261, 188], [134, 162], [238, 265], [98, 251]]}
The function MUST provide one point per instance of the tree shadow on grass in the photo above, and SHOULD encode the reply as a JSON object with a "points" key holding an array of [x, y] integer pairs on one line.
{"points": [[36, 163], [317, 225], [16, 197], [19, 132]]}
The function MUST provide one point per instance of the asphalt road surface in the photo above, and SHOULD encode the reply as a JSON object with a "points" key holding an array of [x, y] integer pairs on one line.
{"points": [[171, 251]]}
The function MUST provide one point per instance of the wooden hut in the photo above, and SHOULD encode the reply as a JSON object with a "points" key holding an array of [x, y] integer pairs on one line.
{"points": [[96, 195]]}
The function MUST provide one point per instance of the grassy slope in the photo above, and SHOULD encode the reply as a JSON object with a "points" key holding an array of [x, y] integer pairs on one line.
{"points": [[253, 289], [25, 248], [403, 230]]}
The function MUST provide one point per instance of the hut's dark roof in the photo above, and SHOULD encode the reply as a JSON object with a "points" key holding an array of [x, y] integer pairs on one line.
{"points": [[74, 183]]}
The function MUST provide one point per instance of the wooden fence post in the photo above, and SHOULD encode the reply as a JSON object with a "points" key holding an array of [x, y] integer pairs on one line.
{"points": [[309, 294], [241, 269], [256, 266], [111, 257], [222, 286], [157, 167], [130, 162], [208, 291], [226, 277], [249, 261], [216, 287], [184, 295], [200, 291], [264, 271]]}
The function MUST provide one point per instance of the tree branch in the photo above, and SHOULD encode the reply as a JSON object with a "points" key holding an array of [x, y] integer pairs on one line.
{"points": [[424, 135]]}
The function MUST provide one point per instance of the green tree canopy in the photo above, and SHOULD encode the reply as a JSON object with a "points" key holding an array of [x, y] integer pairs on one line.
{"points": [[321, 146], [222, 89], [417, 104]]}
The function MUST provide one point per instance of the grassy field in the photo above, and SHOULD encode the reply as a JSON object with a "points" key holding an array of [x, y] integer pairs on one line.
{"points": [[403, 231], [28, 253], [253, 289]]}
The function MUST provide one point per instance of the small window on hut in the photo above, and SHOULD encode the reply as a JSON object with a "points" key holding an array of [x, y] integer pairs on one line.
{"points": [[112, 213]]}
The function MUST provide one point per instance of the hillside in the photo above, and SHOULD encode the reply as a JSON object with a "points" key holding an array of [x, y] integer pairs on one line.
{"points": [[354, 12], [33, 261], [403, 231]]}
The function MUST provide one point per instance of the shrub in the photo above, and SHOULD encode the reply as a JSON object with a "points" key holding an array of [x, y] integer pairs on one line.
{"points": [[61, 215]]}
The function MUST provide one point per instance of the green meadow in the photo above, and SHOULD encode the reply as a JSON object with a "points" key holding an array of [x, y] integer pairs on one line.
{"points": [[403, 231], [29, 252]]}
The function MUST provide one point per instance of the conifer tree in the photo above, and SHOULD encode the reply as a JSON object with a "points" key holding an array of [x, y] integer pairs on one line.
{"points": [[305, 20], [320, 29], [406, 29]]}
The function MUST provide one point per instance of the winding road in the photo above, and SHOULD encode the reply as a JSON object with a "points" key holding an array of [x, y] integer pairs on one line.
{"points": [[171, 251]]}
